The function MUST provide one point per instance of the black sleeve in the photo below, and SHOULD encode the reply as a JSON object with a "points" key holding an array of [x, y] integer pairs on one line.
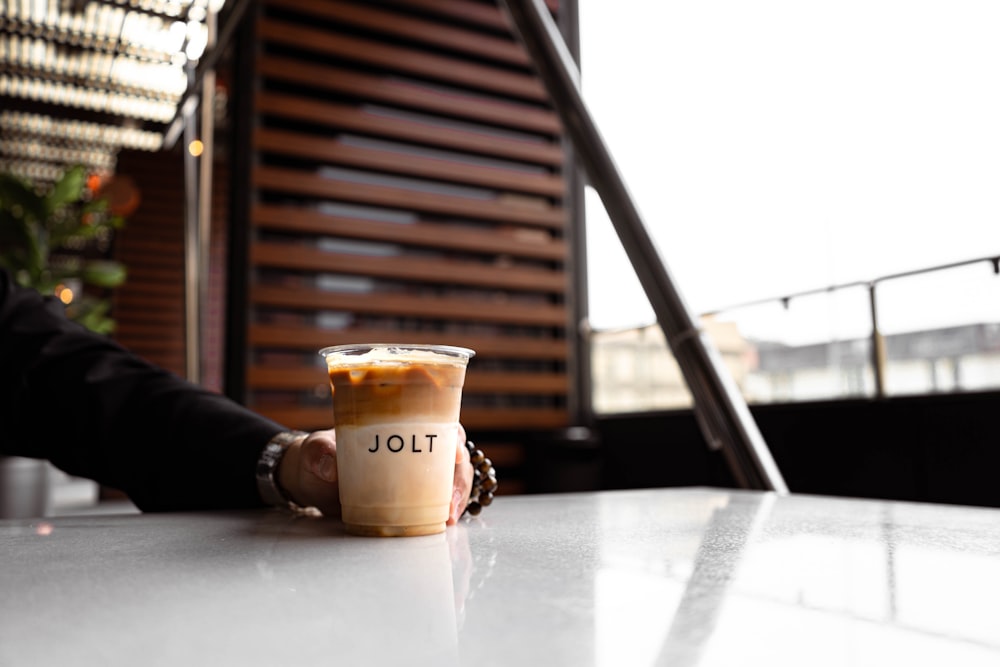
{"points": [[98, 411]]}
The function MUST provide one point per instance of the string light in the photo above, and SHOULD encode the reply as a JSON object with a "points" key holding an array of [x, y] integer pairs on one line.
{"points": [[80, 131], [64, 293]]}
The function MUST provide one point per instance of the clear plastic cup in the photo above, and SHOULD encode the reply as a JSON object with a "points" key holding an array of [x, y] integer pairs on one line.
{"points": [[396, 413]]}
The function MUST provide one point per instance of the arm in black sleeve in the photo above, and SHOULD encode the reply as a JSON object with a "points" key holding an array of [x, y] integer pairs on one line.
{"points": [[98, 411]]}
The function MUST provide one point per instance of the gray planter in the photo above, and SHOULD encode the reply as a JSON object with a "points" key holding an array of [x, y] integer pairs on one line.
{"points": [[24, 487]]}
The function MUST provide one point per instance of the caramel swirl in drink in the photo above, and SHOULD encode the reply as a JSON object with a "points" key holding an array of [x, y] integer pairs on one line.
{"points": [[396, 411], [390, 391]]}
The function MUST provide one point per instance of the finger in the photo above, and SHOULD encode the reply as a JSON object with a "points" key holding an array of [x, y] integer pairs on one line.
{"points": [[456, 508], [461, 449], [462, 486]]}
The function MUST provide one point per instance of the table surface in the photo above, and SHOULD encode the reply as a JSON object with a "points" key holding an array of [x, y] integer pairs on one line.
{"points": [[649, 577]]}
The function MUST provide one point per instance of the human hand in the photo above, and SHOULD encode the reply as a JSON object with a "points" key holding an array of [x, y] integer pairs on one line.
{"points": [[308, 474]]}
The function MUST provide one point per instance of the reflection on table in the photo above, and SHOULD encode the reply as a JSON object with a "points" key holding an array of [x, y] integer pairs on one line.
{"points": [[656, 577]]}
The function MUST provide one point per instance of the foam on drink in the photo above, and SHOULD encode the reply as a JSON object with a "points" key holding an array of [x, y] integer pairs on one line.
{"points": [[396, 412]]}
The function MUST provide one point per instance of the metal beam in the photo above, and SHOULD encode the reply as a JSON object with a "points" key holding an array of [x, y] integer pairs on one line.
{"points": [[206, 66]]}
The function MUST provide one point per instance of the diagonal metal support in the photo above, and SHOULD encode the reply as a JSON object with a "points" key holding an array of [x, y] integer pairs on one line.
{"points": [[722, 414]]}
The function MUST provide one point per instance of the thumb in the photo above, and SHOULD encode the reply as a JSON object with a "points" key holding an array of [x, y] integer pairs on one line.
{"points": [[319, 455], [309, 473]]}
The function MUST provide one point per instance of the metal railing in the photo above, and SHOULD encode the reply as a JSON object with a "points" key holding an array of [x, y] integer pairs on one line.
{"points": [[878, 351]]}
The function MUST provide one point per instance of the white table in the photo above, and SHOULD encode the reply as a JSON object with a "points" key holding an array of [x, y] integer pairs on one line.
{"points": [[669, 577]]}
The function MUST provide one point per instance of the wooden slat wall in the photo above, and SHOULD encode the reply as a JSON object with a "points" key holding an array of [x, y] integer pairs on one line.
{"points": [[406, 185], [149, 307]]}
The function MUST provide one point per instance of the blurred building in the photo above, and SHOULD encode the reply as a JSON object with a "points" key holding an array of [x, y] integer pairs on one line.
{"points": [[634, 371]]}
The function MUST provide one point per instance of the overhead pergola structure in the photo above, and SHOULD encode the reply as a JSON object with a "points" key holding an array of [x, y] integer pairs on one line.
{"points": [[80, 80]]}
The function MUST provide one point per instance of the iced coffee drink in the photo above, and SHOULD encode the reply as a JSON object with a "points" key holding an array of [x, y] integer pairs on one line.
{"points": [[396, 413]]}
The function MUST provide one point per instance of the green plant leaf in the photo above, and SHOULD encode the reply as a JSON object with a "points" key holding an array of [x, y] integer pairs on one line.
{"points": [[92, 313], [45, 237], [67, 190], [103, 273], [96, 206]]}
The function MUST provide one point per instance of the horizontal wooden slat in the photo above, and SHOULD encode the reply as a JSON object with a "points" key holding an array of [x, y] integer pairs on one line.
{"points": [[152, 334], [455, 71], [531, 244], [162, 263], [355, 119], [131, 308], [142, 237], [172, 321], [157, 348], [334, 151], [132, 322], [158, 204], [410, 94], [153, 247], [412, 269], [172, 316], [394, 24], [310, 419], [144, 281], [150, 303], [477, 382], [295, 378], [141, 329], [291, 181], [473, 13], [164, 359], [453, 309], [486, 347]]}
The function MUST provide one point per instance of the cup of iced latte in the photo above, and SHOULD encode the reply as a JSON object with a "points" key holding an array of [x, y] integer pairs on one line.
{"points": [[396, 411]]}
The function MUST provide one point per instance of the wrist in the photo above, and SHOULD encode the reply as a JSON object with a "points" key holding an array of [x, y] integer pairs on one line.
{"points": [[270, 463], [287, 475]]}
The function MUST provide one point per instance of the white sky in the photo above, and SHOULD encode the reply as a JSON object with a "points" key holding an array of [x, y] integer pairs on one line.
{"points": [[775, 146]]}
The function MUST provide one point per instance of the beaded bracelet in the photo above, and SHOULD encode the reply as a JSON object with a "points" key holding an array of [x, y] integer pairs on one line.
{"points": [[484, 480]]}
